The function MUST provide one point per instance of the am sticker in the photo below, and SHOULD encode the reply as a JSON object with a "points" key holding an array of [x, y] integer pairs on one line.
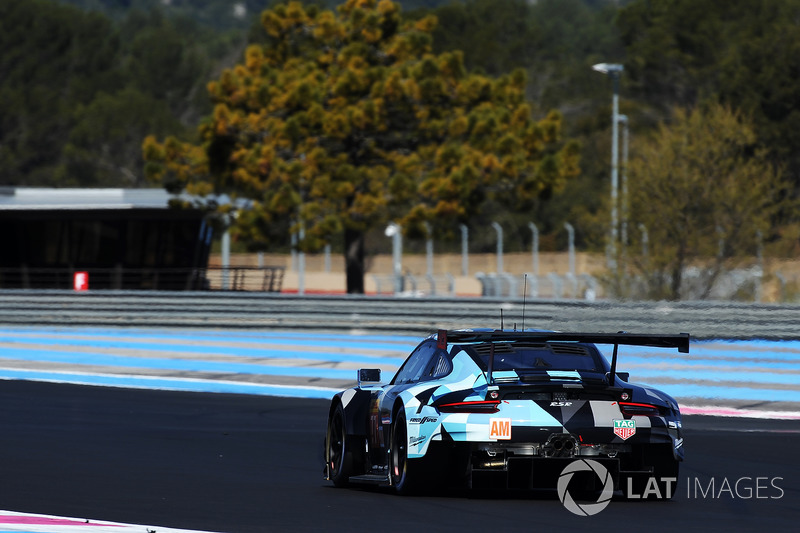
{"points": [[624, 429], [500, 428]]}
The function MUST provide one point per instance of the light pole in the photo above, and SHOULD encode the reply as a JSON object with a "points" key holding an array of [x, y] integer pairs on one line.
{"points": [[623, 119], [394, 231], [613, 70]]}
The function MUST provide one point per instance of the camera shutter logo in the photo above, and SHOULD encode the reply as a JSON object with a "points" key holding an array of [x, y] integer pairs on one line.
{"points": [[590, 508], [625, 429]]}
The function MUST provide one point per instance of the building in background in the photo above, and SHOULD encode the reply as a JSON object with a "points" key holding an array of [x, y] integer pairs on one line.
{"points": [[123, 239]]}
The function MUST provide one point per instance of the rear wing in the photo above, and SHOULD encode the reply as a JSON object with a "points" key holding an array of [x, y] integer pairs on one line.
{"points": [[679, 341]]}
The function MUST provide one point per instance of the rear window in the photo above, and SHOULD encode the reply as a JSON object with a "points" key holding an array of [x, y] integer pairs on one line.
{"points": [[538, 356]]}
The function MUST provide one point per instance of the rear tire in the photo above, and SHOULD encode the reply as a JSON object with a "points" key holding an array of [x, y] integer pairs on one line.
{"points": [[338, 456]]}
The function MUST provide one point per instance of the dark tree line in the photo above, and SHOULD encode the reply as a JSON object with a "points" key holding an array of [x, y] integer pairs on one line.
{"points": [[79, 91], [82, 82]]}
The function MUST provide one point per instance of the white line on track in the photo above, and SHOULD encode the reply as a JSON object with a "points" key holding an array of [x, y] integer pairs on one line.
{"points": [[11, 521]]}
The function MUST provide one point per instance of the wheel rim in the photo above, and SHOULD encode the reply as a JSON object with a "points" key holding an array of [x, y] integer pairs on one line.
{"points": [[335, 444], [399, 450]]}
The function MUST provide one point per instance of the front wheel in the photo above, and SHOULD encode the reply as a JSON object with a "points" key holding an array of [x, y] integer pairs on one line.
{"points": [[404, 472]]}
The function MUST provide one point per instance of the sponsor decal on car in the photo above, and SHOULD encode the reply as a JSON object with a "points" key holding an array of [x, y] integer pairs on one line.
{"points": [[416, 441], [500, 428], [625, 429], [423, 420]]}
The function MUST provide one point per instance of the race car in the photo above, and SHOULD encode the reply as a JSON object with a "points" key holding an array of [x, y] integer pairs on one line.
{"points": [[507, 409]]}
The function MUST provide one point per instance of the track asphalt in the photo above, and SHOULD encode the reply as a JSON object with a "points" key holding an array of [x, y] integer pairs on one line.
{"points": [[252, 464], [759, 379]]}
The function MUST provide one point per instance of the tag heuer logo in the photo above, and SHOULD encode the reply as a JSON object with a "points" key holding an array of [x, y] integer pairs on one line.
{"points": [[624, 429]]}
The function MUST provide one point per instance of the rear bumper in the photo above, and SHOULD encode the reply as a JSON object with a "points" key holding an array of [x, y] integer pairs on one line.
{"points": [[536, 466]]}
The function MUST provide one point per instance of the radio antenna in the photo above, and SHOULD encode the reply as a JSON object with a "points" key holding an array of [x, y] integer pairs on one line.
{"points": [[501, 319], [524, 294]]}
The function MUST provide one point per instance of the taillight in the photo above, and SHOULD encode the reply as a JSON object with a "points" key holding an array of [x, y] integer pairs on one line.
{"points": [[481, 406], [639, 409]]}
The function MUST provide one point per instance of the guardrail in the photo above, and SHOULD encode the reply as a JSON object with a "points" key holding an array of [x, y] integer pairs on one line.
{"points": [[412, 316]]}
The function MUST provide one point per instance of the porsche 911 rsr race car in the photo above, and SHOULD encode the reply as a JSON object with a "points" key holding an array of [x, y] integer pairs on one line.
{"points": [[506, 409]]}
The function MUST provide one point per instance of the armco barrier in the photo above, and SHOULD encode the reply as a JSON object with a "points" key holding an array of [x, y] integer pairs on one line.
{"points": [[411, 316]]}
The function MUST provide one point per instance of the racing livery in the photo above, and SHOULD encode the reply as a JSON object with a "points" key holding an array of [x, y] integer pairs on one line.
{"points": [[506, 409]]}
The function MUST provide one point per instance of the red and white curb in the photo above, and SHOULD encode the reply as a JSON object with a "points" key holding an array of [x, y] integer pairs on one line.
{"points": [[11, 521]]}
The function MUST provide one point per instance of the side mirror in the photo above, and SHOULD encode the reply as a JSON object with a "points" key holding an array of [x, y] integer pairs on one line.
{"points": [[371, 375]]}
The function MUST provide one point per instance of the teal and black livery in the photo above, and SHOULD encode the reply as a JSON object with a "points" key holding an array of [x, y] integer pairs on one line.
{"points": [[505, 409]]}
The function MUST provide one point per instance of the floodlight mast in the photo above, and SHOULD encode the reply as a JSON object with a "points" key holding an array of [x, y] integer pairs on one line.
{"points": [[614, 71], [625, 207], [608, 68]]}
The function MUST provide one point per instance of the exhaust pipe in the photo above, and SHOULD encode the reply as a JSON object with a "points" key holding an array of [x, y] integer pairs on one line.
{"points": [[560, 445]]}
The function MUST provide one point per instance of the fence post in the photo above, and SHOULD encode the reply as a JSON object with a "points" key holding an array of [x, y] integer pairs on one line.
{"points": [[301, 266], [499, 229], [535, 247], [394, 231], [226, 258], [464, 250], [571, 247], [429, 250]]}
